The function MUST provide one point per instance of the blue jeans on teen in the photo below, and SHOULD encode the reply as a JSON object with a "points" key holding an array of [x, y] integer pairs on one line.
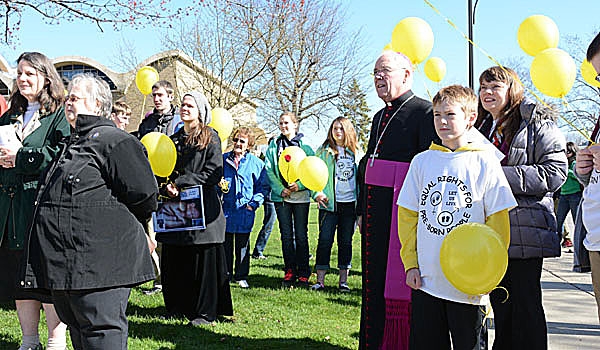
{"points": [[266, 229], [293, 226], [237, 253], [566, 203], [343, 219], [581, 258]]}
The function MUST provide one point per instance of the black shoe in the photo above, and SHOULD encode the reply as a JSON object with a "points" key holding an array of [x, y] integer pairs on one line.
{"points": [[344, 287]]}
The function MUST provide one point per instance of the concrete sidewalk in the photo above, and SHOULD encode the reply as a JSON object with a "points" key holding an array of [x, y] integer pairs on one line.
{"points": [[570, 306]]}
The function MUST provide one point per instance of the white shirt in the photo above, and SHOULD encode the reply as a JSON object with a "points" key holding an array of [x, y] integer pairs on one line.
{"points": [[345, 178], [591, 211], [448, 189]]}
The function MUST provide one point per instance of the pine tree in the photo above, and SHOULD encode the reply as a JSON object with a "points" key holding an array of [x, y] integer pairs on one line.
{"points": [[353, 105]]}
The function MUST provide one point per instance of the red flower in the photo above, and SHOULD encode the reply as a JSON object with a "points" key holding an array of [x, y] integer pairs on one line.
{"points": [[287, 157]]}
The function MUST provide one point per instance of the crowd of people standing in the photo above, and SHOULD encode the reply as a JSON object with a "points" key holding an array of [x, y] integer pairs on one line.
{"points": [[73, 168]]}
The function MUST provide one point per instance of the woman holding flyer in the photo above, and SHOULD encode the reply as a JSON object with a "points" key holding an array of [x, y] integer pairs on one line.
{"points": [[194, 268]]}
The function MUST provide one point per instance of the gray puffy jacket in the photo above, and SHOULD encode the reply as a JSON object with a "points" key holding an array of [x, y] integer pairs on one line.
{"points": [[536, 167]]}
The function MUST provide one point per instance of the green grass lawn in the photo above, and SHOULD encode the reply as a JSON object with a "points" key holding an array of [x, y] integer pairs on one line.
{"points": [[265, 316]]}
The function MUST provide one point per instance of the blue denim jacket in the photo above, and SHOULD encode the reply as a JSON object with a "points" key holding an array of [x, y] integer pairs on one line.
{"points": [[247, 186]]}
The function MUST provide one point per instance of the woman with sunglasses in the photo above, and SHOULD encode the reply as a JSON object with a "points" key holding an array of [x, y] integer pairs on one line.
{"points": [[243, 187]]}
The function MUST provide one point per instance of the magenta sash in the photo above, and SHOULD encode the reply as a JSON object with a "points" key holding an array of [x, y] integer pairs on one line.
{"points": [[387, 173]]}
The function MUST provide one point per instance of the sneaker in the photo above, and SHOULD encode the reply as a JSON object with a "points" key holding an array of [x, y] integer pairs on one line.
{"points": [[303, 281], [258, 256], [567, 243], [243, 284], [200, 321], [156, 289], [289, 278], [344, 287], [318, 286], [37, 347]]}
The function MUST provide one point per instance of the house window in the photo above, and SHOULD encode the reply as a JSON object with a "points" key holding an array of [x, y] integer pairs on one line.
{"points": [[67, 72]]}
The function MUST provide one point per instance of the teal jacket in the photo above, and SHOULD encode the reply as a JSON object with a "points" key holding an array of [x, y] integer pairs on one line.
{"points": [[272, 170], [327, 155], [18, 185]]}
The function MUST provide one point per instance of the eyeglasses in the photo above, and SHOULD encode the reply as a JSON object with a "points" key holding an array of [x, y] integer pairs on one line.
{"points": [[74, 99], [234, 140], [385, 71]]}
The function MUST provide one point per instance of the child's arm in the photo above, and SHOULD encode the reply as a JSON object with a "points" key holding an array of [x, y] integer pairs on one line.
{"points": [[407, 232], [500, 222]]}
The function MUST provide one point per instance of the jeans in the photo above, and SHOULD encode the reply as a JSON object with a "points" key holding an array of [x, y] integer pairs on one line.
{"points": [[237, 247], [581, 259], [265, 231], [343, 219], [566, 203], [293, 225]]}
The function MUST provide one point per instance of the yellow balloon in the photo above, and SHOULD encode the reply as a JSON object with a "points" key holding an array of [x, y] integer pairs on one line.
{"points": [[413, 37], [313, 173], [473, 258], [435, 69], [589, 73], [222, 121], [553, 72], [537, 33], [162, 154], [145, 78], [289, 162]]}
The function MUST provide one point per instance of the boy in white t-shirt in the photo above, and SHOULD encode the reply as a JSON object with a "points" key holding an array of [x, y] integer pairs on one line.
{"points": [[448, 185]]}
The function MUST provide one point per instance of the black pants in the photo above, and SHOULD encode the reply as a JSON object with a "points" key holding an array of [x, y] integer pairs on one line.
{"points": [[237, 252], [520, 322], [96, 318], [434, 319]]}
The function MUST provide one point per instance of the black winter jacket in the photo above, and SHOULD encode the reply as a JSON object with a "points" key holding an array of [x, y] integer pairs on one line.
{"points": [[199, 167], [163, 123], [86, 231]]}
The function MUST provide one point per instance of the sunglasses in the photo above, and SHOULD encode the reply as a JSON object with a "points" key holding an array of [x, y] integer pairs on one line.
{"points": [[234, 140]]}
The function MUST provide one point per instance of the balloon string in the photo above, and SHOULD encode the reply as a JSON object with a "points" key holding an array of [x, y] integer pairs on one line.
{"points": [[424, 83], [570, 109], [143, 107], [501, 66], [505, 290]]}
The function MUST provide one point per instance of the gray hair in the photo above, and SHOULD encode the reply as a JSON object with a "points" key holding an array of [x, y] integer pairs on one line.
{"points": [[398, 58], [96, 89]]}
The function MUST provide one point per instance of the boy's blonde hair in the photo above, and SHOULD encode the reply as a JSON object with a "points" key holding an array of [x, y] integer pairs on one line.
{"points": [[456, 94], [121, 107]]}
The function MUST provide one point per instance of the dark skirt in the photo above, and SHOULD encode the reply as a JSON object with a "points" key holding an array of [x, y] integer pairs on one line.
{"points": [[375, 241], [195, 282], [10, 261]]}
